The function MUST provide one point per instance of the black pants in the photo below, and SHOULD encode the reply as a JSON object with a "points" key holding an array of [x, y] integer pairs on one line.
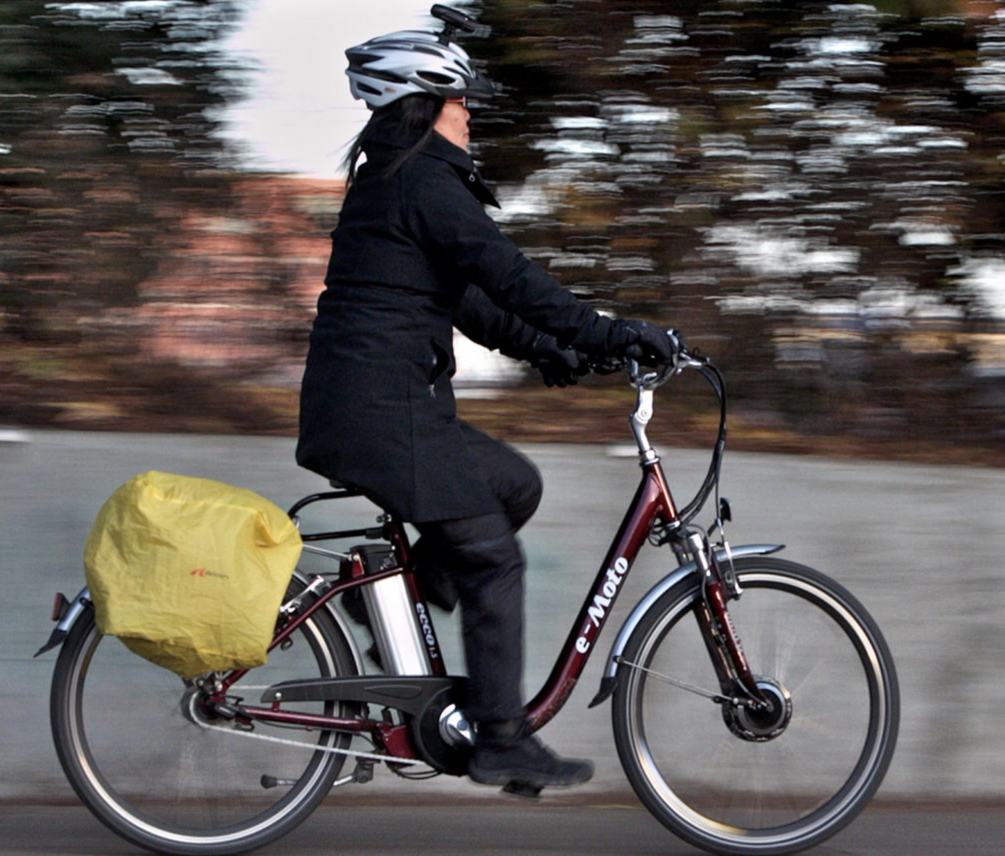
{"points": [[482, 557]]}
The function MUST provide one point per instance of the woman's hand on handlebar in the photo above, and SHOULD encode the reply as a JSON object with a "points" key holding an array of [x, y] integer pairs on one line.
{"points": [[668, 356], [652, 345], [636, 342], [646, 343], [558, 366]]}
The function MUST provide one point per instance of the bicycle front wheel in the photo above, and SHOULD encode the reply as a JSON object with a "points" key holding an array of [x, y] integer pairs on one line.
{"points": [[719, 775], [137, 751]]}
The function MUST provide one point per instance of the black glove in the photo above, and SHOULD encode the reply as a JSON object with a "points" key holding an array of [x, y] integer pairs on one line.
{"points": [[647, 343], [558, 366]]}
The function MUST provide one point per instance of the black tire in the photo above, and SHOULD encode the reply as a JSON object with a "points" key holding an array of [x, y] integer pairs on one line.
{"points": [[733, 791], [161, 780]]}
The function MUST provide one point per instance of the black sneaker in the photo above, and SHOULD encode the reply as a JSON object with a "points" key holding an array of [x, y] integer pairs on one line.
{"points": [[506, 753]]}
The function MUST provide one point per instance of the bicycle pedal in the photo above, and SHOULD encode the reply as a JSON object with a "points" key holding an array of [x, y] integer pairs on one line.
{"points": [[269, 782], [523, 789]]}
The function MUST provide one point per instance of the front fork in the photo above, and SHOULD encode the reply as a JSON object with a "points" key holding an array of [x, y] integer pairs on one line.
{"points": [[719, 585]]}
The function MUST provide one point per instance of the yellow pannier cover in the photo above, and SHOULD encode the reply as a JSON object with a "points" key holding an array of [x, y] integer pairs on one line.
{"points": [[190, 573]]}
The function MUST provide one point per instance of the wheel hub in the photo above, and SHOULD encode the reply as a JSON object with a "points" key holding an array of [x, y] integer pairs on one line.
{"points": [[195, 706], [760, 724]]}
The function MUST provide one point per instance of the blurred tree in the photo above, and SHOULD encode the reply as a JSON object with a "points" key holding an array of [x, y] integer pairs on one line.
{"points": [[106, 123], [811, 190], [121, 220]]}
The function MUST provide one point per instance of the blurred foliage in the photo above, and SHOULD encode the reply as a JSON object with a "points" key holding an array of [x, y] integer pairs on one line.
{"points": [[125, 225], [107, 140], [811, 191]]}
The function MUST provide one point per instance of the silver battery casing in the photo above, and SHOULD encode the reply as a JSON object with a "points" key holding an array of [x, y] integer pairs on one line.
{"points": [[395, 626]]}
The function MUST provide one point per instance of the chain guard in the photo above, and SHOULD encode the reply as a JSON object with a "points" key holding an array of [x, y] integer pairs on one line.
{"points": [[431, 744]]}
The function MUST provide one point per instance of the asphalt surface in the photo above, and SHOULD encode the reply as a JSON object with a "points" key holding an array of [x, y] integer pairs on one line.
{"points": [[921, 546], [502, 826]]}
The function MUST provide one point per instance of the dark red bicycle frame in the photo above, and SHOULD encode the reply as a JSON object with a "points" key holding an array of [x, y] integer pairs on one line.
{"points": [[651, 504]]}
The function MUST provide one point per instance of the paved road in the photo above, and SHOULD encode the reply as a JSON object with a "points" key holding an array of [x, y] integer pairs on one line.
{"points": [[499, 827], [921, 546]]}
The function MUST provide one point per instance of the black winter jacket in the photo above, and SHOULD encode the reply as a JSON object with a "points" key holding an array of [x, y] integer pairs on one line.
{"points": [[377, 409]]}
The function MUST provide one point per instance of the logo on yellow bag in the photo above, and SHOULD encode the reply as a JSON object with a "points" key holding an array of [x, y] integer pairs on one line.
{"points": [[203, 572]]}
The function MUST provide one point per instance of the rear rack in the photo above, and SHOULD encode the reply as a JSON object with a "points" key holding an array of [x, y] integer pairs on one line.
{"points": [[369, 532]]}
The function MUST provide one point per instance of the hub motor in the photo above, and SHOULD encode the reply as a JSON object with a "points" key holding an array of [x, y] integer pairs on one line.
{"points": [[760, 724]]}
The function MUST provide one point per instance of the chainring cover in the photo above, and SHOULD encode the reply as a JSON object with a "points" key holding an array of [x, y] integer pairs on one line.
{"points": [[430, 739]]}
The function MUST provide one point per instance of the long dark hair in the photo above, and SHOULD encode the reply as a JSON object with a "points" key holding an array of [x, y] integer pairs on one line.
{"points": [[413, 113]]}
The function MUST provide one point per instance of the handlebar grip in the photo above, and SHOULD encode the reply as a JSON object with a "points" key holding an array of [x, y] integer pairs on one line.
{"points": [[685, 356], [606, 366]]}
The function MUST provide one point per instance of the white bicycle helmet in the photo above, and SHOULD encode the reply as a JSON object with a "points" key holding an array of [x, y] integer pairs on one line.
{"points": [[390, 67]]}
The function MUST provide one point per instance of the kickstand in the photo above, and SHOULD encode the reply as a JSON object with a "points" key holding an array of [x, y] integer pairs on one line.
{"points": [[523, 789], [363, 772]]}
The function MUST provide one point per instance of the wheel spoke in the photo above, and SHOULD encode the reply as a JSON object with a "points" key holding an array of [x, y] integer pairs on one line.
{"points": [[750, 780], [674, 682], [177, 782]]}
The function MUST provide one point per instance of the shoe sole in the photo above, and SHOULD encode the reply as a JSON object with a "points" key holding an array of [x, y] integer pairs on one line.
{"points": [[529, 778]]}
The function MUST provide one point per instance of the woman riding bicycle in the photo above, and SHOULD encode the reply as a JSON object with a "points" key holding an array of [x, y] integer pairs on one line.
{"points": [[413, 256]]}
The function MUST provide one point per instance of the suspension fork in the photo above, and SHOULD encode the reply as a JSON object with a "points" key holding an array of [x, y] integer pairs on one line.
{"points": [[717, 628]]}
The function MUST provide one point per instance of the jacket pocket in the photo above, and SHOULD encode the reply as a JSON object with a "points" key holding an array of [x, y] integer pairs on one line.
{"points": [[439, 365]]}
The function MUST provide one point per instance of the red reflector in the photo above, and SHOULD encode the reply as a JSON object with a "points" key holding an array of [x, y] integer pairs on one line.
{"points": [[59, 606]]}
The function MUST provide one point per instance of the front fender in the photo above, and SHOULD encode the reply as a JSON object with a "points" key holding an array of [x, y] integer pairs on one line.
{"points": [[609, 680]]}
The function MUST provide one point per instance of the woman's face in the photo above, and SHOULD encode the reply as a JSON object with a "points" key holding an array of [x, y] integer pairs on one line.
{"points": [[452, 123]]}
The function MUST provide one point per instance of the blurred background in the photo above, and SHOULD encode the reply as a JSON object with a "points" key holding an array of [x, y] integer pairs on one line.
{"points": [[811, 191]]}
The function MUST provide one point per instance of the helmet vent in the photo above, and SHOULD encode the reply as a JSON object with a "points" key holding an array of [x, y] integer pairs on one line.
{"points": [[389, 76], [412, 62], [436, 79]]}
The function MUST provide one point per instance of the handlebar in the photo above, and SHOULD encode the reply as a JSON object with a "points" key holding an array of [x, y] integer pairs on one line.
{"points": [[655, 377], [646, 381]]}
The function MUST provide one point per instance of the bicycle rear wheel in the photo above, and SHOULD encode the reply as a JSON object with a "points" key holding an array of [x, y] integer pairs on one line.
{"points": [[162, 776], [719, 776]]}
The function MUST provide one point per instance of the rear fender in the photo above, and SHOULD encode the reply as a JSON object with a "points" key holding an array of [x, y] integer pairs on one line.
{"points": [[339, 619], [66, 612]]}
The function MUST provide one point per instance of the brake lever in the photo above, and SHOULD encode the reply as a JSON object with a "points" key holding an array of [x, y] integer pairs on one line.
{"points": [[606, 366]]}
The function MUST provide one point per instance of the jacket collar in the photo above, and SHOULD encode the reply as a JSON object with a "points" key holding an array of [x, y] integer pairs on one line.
{"points": [[437, 147], [442, 149]]}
